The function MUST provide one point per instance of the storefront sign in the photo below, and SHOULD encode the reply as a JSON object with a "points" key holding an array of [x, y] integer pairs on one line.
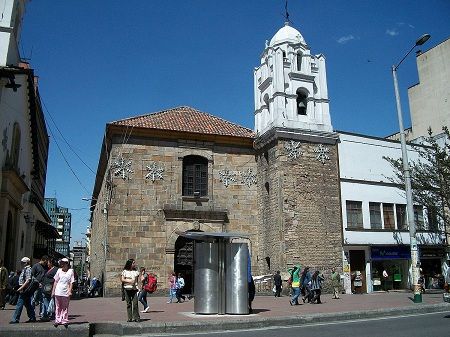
{"points": [[391, 253]]}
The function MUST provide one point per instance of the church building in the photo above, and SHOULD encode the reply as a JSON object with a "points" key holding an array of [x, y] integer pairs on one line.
{"points": [[283, 184]]}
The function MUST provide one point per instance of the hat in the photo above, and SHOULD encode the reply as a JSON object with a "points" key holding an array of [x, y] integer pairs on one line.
{"points": [[25, 259], [65, 260]]}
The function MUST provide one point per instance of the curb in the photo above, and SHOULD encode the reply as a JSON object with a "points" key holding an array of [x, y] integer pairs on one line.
{"points": [[112, 329], [118, 329]]}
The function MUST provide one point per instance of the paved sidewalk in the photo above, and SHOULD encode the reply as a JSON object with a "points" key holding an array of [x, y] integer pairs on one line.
{"points": [[91, 316]]}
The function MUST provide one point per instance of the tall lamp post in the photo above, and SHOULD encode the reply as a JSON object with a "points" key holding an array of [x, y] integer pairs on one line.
{"points": [[407, 177]]}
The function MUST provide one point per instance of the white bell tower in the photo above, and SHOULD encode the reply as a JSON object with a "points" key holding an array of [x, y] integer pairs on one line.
{"points": [[10, 26], [291, 86]]}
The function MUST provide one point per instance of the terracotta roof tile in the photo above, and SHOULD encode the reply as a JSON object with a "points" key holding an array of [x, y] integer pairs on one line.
{"points": [[188, 120]]}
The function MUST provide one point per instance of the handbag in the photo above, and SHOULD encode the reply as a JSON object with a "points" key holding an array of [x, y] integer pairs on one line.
{"points": [[123, 293], [51, 307], [32, 286], [47, 288]]}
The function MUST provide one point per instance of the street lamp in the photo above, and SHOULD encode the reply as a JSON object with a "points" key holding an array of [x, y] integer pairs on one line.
{"points": [[406, 174]]}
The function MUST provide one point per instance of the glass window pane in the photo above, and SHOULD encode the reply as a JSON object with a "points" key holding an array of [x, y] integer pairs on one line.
{"points": [[401, 217], [375, 215], [388, 216], [354, 214]]}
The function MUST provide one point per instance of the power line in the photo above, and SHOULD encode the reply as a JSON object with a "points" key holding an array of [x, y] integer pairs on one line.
{"points": [[62, 136]]}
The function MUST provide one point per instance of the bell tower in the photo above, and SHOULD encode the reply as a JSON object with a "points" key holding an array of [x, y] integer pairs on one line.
{"points": [[290, 85], [299, 210], [10, 26]]}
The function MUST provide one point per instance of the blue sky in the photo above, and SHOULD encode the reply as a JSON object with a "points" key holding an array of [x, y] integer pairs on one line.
{"points": [[100, 61]]}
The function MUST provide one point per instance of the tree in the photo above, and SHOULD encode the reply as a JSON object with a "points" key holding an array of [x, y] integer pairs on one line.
{"points": [[430, 175]]}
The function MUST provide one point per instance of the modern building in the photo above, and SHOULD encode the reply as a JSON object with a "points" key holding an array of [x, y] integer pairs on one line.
{"points": [[61, 219], [25, 228], [303, 192]]}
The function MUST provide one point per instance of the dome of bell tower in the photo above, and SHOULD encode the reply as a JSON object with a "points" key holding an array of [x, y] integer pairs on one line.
{"points": [[287, 34]]}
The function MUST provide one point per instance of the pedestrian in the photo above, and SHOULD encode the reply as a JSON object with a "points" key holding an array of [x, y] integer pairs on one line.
{"points": [[47, 287], [278, 283], [3, 285], [13, 286], [305, 284], [251, 294], [316, 287], [26, 290], [385, 280], [143, 293], [180, 286], [38, 271], [62, 290], [172, 287], [130, 280], [336, 283], [295, 284]]}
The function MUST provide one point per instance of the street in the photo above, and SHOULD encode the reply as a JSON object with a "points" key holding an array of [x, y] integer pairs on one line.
{"points": [[418, 325]]}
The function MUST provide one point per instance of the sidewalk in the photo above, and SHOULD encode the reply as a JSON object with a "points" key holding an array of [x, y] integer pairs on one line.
{"points": [[90, 316]]}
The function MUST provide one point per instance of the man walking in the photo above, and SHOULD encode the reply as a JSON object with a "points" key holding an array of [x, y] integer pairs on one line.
{"points": [[24, 296], [277, 282], [38, 271], [335, 282]]}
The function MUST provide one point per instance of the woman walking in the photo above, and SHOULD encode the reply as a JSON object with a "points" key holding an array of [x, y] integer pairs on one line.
{"points": [[130, 281], [62, 290], [180, 286], [172, 287], [316, 287], [143, 292]]}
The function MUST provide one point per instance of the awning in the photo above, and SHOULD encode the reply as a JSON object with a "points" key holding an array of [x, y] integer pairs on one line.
{"points": [[48, 231]]}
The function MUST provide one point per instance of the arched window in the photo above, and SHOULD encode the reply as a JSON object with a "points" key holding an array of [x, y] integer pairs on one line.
{"points": [[195, 176], [15, 146], [299, 61], [266, 101], [302, 103]]}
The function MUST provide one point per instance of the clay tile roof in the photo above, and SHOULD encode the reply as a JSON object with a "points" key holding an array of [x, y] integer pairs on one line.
{"points": [[187, 119]]}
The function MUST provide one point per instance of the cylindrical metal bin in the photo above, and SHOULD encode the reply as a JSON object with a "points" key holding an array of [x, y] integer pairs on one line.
{"points": [[206, 281], [236, 278]]}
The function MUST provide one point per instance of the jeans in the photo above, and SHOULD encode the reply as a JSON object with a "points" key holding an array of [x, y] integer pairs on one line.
{"points": [[172, 295], [295, 295], [24, 300], [180, 295], [143, 298]]}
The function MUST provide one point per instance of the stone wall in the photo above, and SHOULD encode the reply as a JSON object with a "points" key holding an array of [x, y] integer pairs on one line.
{"points": [[299, 205], [144, 214]]}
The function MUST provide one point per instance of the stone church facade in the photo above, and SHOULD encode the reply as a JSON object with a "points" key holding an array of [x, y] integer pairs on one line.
{"points": [[184, 170]]}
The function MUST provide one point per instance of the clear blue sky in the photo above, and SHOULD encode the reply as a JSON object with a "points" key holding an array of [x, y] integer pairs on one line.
{"points": [[100, 61]]}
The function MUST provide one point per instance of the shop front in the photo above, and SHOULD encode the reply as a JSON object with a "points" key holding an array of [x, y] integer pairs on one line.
{"points": [[389, 267], [431, 261]]}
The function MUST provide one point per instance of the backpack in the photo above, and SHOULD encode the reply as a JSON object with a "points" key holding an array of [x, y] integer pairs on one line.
{"points": [[151, 284]]}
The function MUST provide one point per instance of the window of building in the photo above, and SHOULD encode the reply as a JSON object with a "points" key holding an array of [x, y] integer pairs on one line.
{"points": [[433, 224], [418, 217], [388, 216], [402, 224], [354, 214], [375, 215], [301, 102], [195, 176], [15, 146], [299, 61]]}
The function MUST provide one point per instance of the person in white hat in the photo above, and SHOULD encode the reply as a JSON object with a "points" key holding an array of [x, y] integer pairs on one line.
{"points": [[62, 290], [25, 293]]}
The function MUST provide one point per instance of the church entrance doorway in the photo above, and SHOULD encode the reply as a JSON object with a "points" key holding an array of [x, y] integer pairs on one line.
{"points": [[184, 262]]}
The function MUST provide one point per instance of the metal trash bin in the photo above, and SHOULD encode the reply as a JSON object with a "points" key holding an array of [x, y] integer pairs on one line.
{"points": [[236, 284]]}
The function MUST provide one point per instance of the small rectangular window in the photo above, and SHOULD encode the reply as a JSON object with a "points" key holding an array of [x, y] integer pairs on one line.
{"points": [[375, 215], [388, 216], [402, 224], [354, 214], [418, 218]]}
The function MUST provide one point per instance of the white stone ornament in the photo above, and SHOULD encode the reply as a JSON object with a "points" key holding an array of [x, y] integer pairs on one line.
{"points": [[249, 178], [154, 172], [293, 149], [227, 177], [322, 153], [121, 168]]}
